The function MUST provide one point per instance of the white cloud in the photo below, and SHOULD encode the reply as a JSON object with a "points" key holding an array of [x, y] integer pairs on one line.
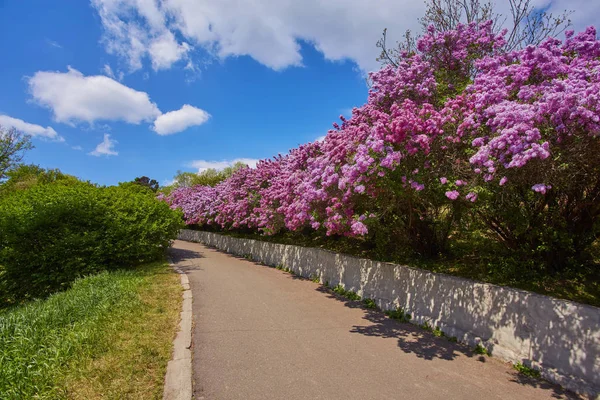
{"points": [[30, 129], [165, 51], [105, 148], [270, 30], [134, 29], [320, 138], [108, 71], [177, 121], [78, 148], [73, 97], [203, 165], [53, 43]]}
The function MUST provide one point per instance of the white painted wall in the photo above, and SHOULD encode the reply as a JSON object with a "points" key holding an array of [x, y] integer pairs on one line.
{"points": [[558, 337]]}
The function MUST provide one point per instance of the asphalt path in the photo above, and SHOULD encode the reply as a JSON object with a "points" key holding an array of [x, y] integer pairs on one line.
{"points": [[261, 333]]}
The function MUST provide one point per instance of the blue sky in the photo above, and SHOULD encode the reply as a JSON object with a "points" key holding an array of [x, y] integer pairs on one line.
{"points": [[172, 85]]}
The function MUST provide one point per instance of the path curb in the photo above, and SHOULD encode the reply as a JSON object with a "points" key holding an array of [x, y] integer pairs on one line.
{"points": [[178, 379]]}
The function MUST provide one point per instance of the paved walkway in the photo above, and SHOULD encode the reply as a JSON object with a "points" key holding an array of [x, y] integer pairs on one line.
{"points": [[260, 333]]}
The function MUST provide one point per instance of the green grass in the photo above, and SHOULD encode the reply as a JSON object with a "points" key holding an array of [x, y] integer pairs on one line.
{"points": [[479, 349], [109, 337], [370, 304], [350, 295], [398, 314], [527, 371]]}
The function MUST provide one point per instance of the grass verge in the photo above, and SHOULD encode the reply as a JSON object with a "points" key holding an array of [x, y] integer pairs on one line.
{"points": [[109, 337]]}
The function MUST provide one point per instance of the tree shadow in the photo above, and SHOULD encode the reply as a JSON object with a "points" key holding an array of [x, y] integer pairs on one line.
{"points": [[540, 331], [185, 258], [557, 391], [411, 339]]}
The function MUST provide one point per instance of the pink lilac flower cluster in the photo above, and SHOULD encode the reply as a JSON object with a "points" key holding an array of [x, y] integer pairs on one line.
{"points": [[512, 110]]}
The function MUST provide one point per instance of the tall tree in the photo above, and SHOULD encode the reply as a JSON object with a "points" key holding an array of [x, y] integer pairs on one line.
{"points": [[152, 184], [13, 145], [525, 25]]}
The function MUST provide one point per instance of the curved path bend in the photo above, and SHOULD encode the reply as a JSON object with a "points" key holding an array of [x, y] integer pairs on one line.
{"points": [[260, 333]]}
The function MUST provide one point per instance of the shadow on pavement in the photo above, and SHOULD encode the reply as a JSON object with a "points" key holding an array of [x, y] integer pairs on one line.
{"points": [[185, 257], [413, 339]]}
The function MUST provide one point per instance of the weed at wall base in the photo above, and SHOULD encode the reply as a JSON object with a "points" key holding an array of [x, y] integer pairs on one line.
{"points": [[479, 349], [370, 304], [350, 295], [398, 314], [527, 371]]}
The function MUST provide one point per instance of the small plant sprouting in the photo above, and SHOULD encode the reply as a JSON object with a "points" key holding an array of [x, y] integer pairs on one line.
{"points": [[437, 332], [479, 349], [350, 295], [280, 267], [327, 284], [248, 257], [426, 326], [339, 289], [398, 314], [453, 339], [315, 279], [527, 371], [370, 304]]}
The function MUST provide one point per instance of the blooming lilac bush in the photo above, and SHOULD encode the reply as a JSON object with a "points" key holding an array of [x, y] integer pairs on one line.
{"points": [[460, 135]]}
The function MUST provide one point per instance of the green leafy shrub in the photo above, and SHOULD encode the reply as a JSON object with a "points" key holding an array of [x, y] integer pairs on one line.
{"points": [[51, 234], [399, 314], [349, 294], [527, 371]]}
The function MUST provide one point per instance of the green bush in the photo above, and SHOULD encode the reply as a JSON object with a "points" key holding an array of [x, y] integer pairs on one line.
{"points": [[51, 234]]}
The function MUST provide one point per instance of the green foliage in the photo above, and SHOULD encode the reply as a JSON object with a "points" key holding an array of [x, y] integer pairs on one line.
{"points": [[350, 295], [13, 145], [436, 331], [24, 176], [208, 177], [51, 234], [315, 279], [370, 304], [151, 184], [479, 349], [527, 371], [399, 314]]}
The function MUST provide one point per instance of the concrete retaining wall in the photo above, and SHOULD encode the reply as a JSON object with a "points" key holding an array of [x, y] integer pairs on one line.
{"points": [[558, 337]]}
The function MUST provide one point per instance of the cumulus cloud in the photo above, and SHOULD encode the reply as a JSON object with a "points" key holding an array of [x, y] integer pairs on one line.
{"points": [[164, 51], [105, 148], [73, 97], [203, 165], [179, 120], [270, 31], [134, 29], [30, 129]]}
